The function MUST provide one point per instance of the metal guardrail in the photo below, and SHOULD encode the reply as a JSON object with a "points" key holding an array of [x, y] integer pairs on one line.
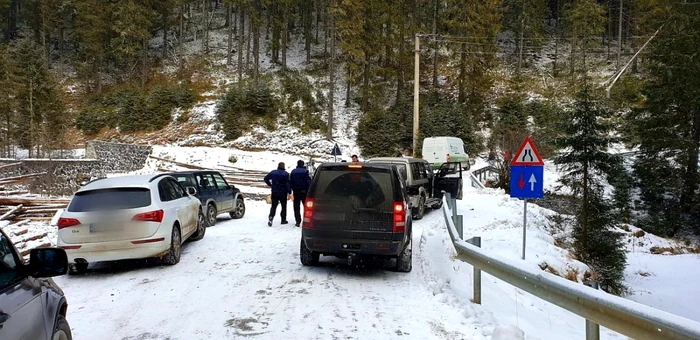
{"points": [[618, 314], [479, 175]]}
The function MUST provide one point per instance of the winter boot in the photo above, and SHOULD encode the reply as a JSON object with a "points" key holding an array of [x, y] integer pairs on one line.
{"points": [[269, 222]]}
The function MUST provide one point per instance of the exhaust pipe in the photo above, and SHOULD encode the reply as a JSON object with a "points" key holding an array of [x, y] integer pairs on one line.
{"points": [[353, 258]]}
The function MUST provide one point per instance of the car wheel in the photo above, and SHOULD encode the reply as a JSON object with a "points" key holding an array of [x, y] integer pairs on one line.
{"points": [[308, 257], [238, 209], [201, 228], [62, 331], [421, 208], [404, 263], [173, 256], [77, 268], [211, 214]]}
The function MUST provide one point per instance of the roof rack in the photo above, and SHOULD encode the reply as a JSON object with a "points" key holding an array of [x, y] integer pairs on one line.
{"points": [[158, 175]]}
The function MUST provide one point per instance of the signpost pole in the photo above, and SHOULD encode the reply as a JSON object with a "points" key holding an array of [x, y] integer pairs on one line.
{"points": [[524, 225]]}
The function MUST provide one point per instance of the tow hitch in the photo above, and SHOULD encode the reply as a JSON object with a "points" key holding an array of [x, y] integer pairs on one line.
{"points": [[353, 258]]}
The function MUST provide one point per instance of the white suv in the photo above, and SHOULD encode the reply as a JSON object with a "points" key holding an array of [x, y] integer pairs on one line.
{"points": [[129, 217]]}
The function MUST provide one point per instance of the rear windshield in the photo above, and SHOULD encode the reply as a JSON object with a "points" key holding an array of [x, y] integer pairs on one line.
{"points": [[186, 181], [110, 199], [370, 189]]}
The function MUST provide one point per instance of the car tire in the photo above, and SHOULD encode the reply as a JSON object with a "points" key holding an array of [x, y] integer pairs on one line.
{"points": [[211, 214], [202, 225], [308, 257], [404, 263], [62, 331], [238, 209], [421, 208], [77, 268], [173, 256]]}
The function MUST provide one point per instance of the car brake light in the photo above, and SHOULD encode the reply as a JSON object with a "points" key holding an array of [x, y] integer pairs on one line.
{"points": [[448, 157], [151, 216], [67, 222], [308, 213], [399, 217], [354, 166]]}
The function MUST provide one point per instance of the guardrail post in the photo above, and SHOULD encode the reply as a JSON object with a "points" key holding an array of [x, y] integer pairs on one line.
{"points": [[454, 210], [477, 273], [460, 226], [592, 328]]}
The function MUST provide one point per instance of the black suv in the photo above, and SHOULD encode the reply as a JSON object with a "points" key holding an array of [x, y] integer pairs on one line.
{"points": [[216, 195], [32, 306], [356, 210]]}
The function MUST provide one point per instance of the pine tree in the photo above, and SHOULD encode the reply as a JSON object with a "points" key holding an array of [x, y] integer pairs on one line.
{"points": [[584, 162], [526, 19], [586, 21], [668, 126]]}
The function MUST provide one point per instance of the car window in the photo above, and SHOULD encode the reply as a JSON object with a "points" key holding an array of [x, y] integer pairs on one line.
{"points": [[220, 181], [373, 188], [186, 181], [9, 272], [110, 199], [424, 171], [206, 181], [165, 191], [178, 191], [415, 171]]}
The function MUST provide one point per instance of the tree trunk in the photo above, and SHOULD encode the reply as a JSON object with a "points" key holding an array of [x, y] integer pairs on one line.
{"points": [[241, 35], [31, 117], [584, 209], [47, 47], [307, 30], [556, 42], [365, 84], [144, 64], [256, 45], [229, 55], [166, 27], [249, 39], [318, 17], [285, 25], [205, 34], [399, 63], [60, 52], [181, 44], [520, 44], [688, 199], [619, 37], [331, 90], [347, 86], [275, 23], [462, 73], [435, 46]]}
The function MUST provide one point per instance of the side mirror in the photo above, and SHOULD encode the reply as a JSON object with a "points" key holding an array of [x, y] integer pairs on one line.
{"points": [[47, 262], [191, 191]]}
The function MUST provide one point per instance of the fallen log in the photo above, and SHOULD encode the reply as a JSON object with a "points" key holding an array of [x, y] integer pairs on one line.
{"points": [[28, 251], [21, 177], [10, 165], [32, 201], [12, 211], [184, 165]]}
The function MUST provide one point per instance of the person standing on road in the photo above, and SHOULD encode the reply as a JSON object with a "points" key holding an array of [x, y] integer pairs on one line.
{"points": [[300, 186], [278, 181]]}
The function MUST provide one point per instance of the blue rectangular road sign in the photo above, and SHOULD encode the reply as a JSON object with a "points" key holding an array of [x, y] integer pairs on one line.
{"points": [[526, 181]]}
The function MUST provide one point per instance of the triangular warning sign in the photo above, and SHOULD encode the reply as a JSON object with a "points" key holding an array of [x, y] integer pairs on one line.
{"points": [[527, 154]]}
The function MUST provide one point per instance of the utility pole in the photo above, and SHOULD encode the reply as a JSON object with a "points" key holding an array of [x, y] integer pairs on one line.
{"points": [[619, 37], [331, 68], [416, 95]]}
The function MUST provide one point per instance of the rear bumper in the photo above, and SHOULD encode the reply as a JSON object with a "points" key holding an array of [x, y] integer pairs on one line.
{"points": [[330, 246], [115, 250]]}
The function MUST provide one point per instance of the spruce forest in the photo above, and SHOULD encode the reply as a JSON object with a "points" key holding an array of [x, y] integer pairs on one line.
{"points": [[579, 76]]}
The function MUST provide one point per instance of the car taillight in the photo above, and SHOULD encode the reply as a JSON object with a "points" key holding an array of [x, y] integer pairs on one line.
{"points": [[448, 157], [399, 217], [308, 213], [67, 222], [151, 216]]}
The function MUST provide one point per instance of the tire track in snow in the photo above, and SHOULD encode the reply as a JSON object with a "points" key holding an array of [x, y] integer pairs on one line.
{"points": [[245, 279]]}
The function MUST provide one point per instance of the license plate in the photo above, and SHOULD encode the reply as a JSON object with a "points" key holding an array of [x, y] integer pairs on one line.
{"points": [[99, 227], [329, 216]]}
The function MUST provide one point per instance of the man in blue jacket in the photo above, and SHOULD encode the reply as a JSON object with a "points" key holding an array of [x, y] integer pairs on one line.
{"points": [[278, 181], [300, 186]]}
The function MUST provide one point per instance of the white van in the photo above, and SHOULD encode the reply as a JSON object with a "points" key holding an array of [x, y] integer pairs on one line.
{"points": [[438, 150]]}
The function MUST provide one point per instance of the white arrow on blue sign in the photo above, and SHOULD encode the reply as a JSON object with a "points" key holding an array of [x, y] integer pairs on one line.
{"points": [[526, 181]]}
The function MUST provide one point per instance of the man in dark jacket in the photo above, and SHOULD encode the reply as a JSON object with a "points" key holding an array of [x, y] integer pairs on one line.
{"points": [[278, 181], [300, 186]]}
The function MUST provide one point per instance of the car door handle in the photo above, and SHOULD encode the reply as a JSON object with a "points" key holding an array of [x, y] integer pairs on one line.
{"points": [[3, 317]]}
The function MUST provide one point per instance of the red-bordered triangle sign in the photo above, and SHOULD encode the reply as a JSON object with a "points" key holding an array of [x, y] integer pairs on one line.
{"points": [[527, 154]]}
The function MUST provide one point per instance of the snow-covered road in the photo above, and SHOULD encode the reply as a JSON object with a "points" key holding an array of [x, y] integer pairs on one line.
{"points": [[245, 279]]}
